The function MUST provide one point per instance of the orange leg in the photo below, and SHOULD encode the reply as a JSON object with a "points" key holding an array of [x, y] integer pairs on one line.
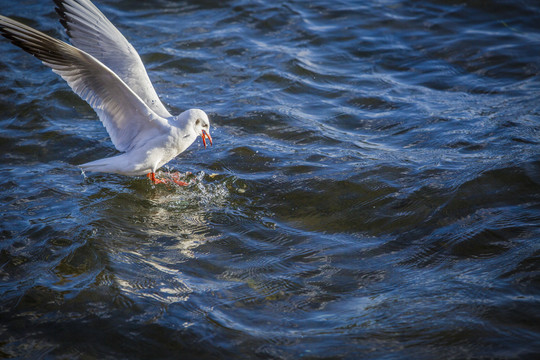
{"points": [[175, 177], [180, 182], [152, 177]]}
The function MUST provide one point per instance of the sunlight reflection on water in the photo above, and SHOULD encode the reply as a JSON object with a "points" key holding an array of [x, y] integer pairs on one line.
{"points": [[372, 190]]}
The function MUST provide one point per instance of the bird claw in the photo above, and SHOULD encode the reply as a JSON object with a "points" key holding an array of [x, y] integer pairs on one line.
{"points": [[176, 178], [152, 177], [155, 180], [181, 183]]}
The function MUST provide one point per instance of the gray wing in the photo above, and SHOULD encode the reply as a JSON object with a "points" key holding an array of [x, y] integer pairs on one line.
{"points": [[128, 120], [92, 32]]}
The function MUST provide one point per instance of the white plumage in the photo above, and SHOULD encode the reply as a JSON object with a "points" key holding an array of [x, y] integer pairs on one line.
{"points": [[104, 69]]}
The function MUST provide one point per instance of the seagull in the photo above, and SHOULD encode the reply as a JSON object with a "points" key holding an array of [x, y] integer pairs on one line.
{"points": [[106, 71]]}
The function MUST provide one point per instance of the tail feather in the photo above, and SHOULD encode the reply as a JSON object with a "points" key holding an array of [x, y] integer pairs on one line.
{"points": [[101, 165], [119, 164]]}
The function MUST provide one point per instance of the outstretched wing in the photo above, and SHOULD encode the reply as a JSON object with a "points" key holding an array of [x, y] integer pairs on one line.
{"points": [[128, 120], [92, 32]]}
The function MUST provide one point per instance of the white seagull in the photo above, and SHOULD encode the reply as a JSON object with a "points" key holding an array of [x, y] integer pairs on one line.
{"points": [[104, 69]]}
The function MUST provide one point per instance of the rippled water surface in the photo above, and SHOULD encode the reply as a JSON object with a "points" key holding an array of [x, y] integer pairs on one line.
{"points": [[373, 190]]}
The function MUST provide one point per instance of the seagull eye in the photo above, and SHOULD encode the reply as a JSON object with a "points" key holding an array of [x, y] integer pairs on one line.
{"points": [[198, 121]]}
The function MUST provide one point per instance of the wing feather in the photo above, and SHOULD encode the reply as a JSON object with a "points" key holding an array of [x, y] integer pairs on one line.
{"points": [[127, 118], [90, 31]]}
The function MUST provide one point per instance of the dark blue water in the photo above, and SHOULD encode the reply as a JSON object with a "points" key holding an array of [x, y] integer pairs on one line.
{"points": [[373, 190]]}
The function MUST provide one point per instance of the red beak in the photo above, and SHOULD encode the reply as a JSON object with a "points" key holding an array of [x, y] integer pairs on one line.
{"points": [[205, 135]]}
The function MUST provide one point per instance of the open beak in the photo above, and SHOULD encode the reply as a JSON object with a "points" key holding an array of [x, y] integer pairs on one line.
{"points": [[205, 135]]}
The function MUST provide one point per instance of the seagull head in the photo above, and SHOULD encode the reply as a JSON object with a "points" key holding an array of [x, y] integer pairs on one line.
{"points": [[201, 124]]}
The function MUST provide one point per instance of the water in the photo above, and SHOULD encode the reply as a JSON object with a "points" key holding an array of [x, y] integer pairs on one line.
{"points": [[373, 190]]}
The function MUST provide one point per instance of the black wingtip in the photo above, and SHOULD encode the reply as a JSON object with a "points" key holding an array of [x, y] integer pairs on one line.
{"points": [[59, 3], [61, 11], [60, 8], [65, 24], [34, 42]]}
